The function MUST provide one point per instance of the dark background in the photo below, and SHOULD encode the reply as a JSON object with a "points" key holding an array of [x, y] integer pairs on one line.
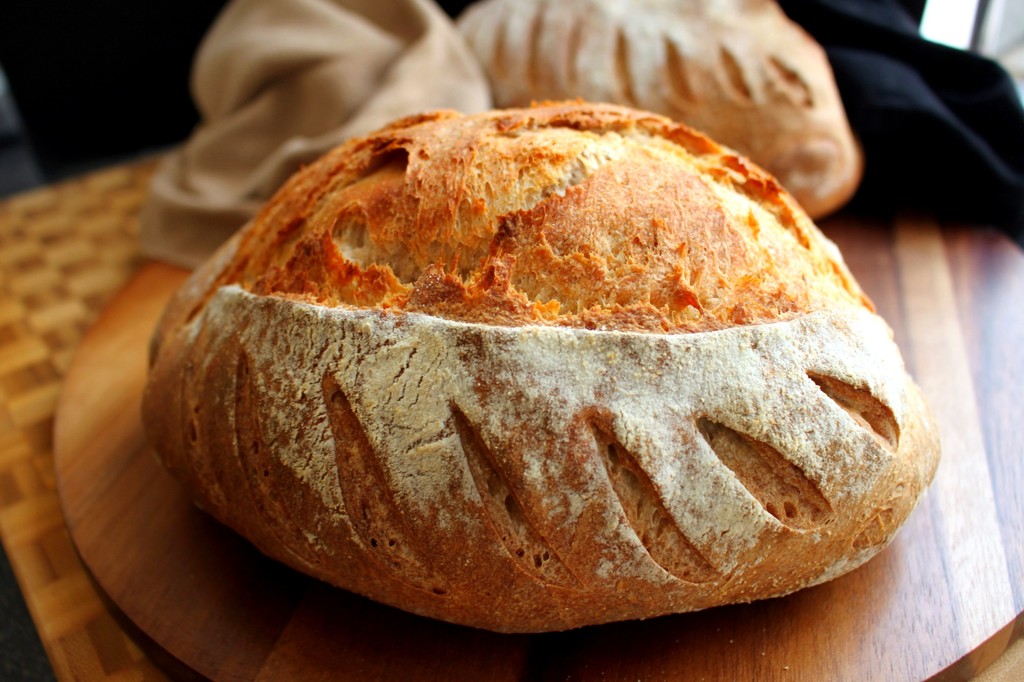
{"points": [[100, 80]]}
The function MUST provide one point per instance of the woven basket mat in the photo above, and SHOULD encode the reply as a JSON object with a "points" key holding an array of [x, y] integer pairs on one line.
{"points": [[64, 251]]}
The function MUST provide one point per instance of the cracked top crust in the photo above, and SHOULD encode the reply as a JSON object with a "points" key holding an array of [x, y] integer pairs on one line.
{"points": [[589, 216], [528, 386]]}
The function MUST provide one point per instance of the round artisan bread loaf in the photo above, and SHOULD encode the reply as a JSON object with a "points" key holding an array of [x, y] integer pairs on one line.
{"points": [[536, 369]]}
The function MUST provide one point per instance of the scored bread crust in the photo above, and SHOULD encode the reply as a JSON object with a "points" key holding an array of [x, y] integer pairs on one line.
{"points": [[443, 430]]}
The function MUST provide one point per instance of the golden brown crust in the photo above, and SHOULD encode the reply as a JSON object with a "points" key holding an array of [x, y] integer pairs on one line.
{"points": [[433, 371], [569, 214]]}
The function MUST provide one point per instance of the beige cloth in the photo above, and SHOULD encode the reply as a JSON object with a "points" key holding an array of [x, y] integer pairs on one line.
{"points": [[278, 83]]}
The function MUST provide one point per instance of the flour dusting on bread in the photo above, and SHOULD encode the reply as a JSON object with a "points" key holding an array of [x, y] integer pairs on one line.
{"points": [[537, 369]]}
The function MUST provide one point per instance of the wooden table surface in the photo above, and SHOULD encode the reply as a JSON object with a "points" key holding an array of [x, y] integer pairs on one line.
{"points": [[952, 296]]}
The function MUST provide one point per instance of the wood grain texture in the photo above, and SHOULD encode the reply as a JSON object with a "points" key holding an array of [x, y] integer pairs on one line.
{"points": [[944, 600]]}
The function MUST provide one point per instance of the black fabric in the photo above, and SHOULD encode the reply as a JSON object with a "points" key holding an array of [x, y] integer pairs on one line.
{"points": [[942, 129]]}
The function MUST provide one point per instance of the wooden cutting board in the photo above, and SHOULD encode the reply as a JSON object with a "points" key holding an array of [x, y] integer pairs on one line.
{"points": [[944, 599]]}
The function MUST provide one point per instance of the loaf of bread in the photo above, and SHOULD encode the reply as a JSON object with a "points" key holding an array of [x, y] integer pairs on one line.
{"points": [[536, 369], [738, 70]]}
